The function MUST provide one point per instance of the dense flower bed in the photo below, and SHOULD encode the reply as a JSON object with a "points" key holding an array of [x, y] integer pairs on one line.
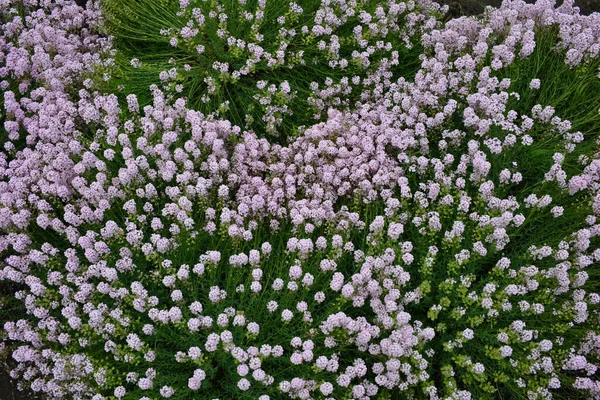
{"points": [[433, 235]]}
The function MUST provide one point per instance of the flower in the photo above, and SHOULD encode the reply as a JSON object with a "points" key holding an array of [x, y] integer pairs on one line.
{"points": [[243, 384], [167, 391], [286, 315]]}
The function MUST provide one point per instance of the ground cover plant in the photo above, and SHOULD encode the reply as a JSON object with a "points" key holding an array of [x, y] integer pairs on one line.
{"points": [[432, 234], [264, 65]]}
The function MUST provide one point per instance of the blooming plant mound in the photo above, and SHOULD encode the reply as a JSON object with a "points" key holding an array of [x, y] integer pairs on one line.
{"points": [[263, 64], [434, 237]]}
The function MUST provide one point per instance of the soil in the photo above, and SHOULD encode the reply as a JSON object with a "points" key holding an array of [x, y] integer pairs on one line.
{"points": [[8, 390]]}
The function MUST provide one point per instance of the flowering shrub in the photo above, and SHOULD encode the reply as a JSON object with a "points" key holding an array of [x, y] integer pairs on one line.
{"points": [[43, 57], [263, 64], [438, 239]]}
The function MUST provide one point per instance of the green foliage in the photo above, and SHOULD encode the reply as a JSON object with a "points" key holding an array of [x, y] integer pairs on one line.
{"points": [[143, 31]]}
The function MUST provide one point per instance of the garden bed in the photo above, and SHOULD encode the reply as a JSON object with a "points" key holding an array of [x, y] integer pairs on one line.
{"points": [[329, 200]]}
